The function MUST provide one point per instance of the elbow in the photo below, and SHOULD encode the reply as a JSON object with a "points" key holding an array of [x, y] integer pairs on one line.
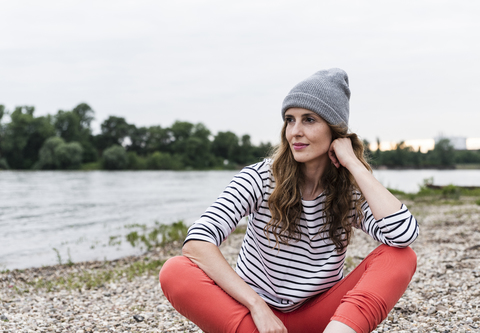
{"points": [[187, 249], [404, 241], [195, 250]]}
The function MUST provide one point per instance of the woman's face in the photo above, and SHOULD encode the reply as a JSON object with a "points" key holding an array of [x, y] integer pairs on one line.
{"points": [[309, 136]]}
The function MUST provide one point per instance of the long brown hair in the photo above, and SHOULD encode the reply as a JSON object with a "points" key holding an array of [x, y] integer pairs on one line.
{"points": [[285, 202]]}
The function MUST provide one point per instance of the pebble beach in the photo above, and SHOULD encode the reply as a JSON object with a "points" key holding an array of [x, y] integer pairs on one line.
{"points": [[124, 295]]}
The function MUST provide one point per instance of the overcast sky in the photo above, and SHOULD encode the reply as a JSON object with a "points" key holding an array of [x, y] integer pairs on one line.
{"points": [[413, 65]]}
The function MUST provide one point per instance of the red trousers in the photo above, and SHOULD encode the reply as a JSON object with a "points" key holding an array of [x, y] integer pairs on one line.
{"points": [[361, 300]]}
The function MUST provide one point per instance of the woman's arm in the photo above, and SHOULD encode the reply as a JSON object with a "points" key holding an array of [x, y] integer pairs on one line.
{"points": [[382, 203], [240, 198], [208, 257]]}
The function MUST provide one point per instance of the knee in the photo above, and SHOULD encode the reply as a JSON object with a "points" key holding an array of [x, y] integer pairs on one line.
{"points": [[405, 259], [172, 272]]}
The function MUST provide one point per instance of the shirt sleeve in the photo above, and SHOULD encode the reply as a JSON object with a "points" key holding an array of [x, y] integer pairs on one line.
{"points": [[240, 198], [399, 229]]}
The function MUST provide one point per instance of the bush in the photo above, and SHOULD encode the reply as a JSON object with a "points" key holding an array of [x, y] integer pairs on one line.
{"points": [[451, 192], [56, 154], [90, 154], [115, 158], [68, 155], [163, 161], [3, 164], [136, 162], [46, 155]]}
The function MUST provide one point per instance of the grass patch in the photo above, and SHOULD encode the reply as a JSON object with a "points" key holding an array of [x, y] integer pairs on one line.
{"points": [[136, 225], [92, 278], [469, 166], [91, 166], [446, 195], [396, 192], [97, 278], [159, 235], [114, 240]]}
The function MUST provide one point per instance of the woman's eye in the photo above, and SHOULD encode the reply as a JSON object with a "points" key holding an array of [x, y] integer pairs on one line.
{"points": [[310, 120], [288, 120]]}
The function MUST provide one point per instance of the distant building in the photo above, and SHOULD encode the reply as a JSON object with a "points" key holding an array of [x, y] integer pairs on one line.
{"points": [[473, 143], [458, 142]]}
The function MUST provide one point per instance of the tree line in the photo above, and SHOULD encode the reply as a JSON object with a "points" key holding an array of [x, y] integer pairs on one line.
{"points": [[65, 141], [443, 155]]}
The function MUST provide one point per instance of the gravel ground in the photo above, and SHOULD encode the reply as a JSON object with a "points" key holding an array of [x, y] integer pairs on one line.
{"points": [[124, 295]]}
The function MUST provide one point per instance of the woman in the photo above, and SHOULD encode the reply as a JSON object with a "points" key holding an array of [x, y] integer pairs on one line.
{"points": [[301, 206]]}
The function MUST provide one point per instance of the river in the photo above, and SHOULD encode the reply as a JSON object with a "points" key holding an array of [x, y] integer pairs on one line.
{"points": [[79, 213]]}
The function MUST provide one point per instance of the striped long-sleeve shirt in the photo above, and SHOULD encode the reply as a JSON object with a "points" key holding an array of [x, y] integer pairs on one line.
{"points": [[287, 276]]}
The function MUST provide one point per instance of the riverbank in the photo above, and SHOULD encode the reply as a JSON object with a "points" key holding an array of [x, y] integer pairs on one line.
{"points": [[470, 166], [124, 295]]}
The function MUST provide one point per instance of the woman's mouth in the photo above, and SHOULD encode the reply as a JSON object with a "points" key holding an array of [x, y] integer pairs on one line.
{"points": [[299, 146]]}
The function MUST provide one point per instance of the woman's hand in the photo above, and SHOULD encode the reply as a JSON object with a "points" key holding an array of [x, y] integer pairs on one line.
{"points": [[208, 257], [265, 320], [381, 201], [341, 153]]}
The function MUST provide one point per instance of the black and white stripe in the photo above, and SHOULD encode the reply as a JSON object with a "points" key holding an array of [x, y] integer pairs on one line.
{"points": [[285, 277]]}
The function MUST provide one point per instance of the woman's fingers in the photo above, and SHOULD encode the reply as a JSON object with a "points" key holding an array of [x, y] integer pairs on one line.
{"points": [[341, 152], [266, 321]]}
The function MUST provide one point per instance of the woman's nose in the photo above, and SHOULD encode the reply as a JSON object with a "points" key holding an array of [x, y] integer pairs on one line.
{"points": [[297, 129]]}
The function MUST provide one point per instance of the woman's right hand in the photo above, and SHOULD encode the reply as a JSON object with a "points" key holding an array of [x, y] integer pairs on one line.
{"points": [[209, 258], [265, 320]]}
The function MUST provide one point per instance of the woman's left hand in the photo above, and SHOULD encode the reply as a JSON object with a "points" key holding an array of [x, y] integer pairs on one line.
{"points": [[341, 153]]}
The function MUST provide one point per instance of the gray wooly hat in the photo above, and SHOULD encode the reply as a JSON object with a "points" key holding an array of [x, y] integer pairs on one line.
{"points": [[326, 93]]}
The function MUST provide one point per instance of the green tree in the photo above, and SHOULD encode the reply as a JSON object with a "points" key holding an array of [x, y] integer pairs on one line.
{"points": [[158, 139], [402, 155], [245, 151], [443, 153], [67, 125], [114, 130], [24, 136], [85, 115], [261, 151], [75, 126], [192, 143], [196, 149], [3, 162], [226, 146], [138, 139], [115, 158], [181, 130]]}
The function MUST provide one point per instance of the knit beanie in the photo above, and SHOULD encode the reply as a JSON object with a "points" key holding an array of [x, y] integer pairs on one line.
{"points": [[326, 93]]}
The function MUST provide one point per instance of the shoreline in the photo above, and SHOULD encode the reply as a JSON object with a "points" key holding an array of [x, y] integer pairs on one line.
{"points": [[124, 295]]}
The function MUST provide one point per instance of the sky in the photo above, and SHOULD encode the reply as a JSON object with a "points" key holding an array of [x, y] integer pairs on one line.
{"points": [[413, 66]]}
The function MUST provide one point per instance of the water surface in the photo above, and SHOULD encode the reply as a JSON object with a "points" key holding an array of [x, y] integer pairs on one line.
{"points": [[78, 212]]}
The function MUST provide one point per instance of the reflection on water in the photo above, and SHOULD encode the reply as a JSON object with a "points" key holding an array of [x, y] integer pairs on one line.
{"points": [[86, 215]]}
